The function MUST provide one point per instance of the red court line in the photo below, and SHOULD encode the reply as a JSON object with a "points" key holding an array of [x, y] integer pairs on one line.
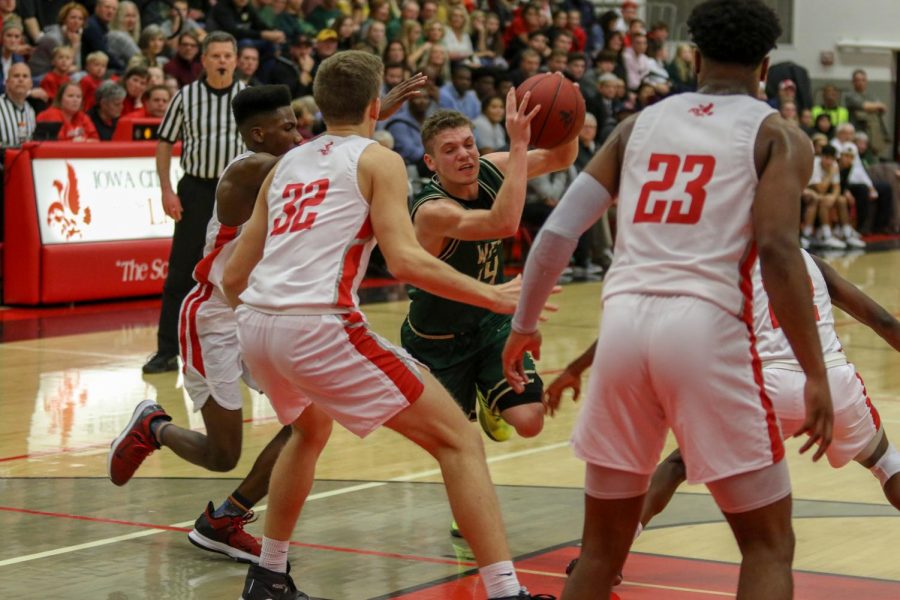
{"points": [[142, 525]]}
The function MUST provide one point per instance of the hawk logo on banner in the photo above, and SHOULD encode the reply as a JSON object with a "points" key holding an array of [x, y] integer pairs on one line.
{"points": [[67, 215]]}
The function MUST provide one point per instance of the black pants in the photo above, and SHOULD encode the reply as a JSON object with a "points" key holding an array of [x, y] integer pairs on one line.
{"points": [[197, 199]]}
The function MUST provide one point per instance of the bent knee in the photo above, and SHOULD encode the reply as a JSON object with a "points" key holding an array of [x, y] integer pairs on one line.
{"points": [[527, 419], [223, 461]]}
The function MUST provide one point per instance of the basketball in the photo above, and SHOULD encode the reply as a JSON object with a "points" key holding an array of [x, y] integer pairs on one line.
{"points": [[562, 109]]}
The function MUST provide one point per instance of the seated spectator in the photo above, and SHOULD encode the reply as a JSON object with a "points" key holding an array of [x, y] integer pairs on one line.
{"points": [[12, 40], [326, 45], [135, 83], [185, 66], [179, 17], [637, 63], [437, 61], [602, 233], [579, 35], [806, 122], [821, 195], [171, 84], [490, 133], [108, 106], [516, 36], [411, 38], [577, 70], [374, 40], [658, 76], [405, 125], [488, 42], [864, 151], [63, 57], [394, 53], [156, 102], [824, 125], [788, 112], [95, 30], [457, 94], [66, 109], [239, 18], [856, 179], [867, 112], [787, 92], [67, 32], [434, 36], [557, 62], [296, 69], [290, 21], [855, 194], [155, 76], [529, 66], [562, 42], [605, 106], [819, 141], [305, 110], [831, 106], [95, 65], [323, 14], [152, 44], [346, 30], [124, 33], [457, 37], [247, 65], [681, 70], [17, 118]]}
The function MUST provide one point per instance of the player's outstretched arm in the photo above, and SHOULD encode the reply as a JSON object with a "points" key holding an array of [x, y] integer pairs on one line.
{"points": [[249, 249], [446, 218], [238, 187], [569, 379], [382, 177], [858, 305], [784, 159]]}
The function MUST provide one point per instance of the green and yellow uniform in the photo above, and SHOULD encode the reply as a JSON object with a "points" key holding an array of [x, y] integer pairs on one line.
{"points": [[460, 343]]}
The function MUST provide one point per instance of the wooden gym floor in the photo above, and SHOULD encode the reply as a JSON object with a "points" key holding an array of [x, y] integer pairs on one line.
{"points": [[376, 524]]}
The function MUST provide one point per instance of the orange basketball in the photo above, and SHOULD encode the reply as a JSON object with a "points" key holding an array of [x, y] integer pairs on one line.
{"points": [[562, 109]]}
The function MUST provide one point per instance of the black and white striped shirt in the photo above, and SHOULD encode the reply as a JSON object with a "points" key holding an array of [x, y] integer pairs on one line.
{"points": [[16, 123], [201, 118]]}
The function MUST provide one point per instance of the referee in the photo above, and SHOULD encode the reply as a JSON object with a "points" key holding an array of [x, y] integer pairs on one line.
{"points": [[17, 119], [200, 116]]}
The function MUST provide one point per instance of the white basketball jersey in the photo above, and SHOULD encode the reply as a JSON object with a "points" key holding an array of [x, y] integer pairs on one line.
{"points": [[319, 234], [771, 343], [685, 195], [220, 242]]}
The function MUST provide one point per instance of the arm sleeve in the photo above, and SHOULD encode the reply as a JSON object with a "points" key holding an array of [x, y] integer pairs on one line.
{"points": [[582, 205]]}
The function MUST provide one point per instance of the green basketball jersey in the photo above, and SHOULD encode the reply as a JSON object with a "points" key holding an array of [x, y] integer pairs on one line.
{"points": [[482, 260]]}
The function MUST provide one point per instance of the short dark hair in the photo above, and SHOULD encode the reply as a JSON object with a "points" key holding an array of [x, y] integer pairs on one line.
{"points": [[156, 88], [218, 37], [440, 121], [740, 32], [829, 150], [259, 100], [345, 84], [136, 71]]}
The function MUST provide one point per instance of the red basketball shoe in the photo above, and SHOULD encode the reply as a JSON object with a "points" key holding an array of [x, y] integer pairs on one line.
{"points": [[226, 535], [135, 443]]}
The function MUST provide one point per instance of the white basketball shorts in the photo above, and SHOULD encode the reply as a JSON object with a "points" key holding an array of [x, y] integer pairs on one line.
{"points": [[333, 360], [210, 351], [856, 421], [680, 363]]}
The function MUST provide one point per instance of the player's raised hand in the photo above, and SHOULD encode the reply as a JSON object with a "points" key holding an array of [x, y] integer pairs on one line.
{"points": [[567, 380], [518, 120], [400, 93], [517, 344], [819, 416]]}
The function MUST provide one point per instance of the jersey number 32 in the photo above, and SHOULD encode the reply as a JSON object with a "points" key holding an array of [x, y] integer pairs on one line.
{"points": [[296, 215]]}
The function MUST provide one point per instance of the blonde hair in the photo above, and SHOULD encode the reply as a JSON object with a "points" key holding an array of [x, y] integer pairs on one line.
{"points": [[98, 56], [116, 24]]}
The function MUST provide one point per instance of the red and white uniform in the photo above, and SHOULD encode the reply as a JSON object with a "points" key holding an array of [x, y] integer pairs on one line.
{"points": [[207, 325], [856, 420], [300, 328], [676, 347]]}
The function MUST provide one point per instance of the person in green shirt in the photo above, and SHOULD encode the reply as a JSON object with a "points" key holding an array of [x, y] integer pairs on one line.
{"points": [[324, 14], [831, 106], [461, 216]]}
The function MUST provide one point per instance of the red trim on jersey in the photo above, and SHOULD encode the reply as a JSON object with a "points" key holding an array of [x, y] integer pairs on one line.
{"points": [[746, 269], [201, 271], [406, 380], [188, 327], [876, 418], [350, 268]]}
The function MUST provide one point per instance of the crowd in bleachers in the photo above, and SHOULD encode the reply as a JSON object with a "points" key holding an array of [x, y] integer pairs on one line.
{"points": [[91, 64]]}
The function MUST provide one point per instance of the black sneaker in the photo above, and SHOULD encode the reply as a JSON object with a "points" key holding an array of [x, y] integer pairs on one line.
{"points": [[263, 584], [524, 595], [160, 363]]}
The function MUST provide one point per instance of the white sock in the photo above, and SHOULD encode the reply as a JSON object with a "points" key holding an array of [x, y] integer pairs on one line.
{"points": [[848, 232], [826, 232], [807, 230], [500, 579], [274, 555]]}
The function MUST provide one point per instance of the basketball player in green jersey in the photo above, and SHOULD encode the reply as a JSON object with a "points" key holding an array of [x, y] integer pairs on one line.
{"points": [[461, 216]]}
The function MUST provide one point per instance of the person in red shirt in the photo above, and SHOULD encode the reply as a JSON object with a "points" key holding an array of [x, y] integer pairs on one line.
{"points": [[66, 109], [135, 83], [63, 59], [95, 65]]}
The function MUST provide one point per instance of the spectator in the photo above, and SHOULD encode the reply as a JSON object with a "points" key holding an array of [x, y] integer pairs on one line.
{"points": [[171, 84], [487, 40], [428, 11], [239, 18], [405, 125], [345, 27], [864, 151], [605, 106], [853, 193], [787, 92], [601, 232], [326, 45], [296, 69], [659, 33], [305, 110], [788, 112], [831, 106], [579, 35], [867, 112], [436, 62], [394, 73], [394, 53], [434, 35], [457, 36], [94, 36], [185, 66], [529, 66], [247, 65], [637, 63], [180, 15], [66, 109], [67, 31], [823, 125], [156, 102], [107, 109], [17, 118], [490, 134], [39, 16], [374, 40], [516, 36], [152, 44], [135, 83], [124, 33], [324, 14], [562, 42], [12, 41], [95, 63], [290, 21], [681, 70], [537, 41], [155, 76], [821, 195], [856, 179], [63, 57], [819, 141], [615, 46], [557, 62], [628, 14]]}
